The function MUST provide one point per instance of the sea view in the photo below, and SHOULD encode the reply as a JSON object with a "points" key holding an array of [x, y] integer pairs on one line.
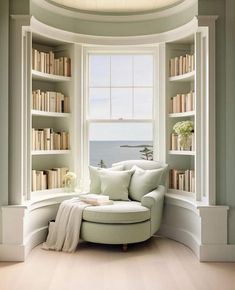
{"points": [[115, 151]]}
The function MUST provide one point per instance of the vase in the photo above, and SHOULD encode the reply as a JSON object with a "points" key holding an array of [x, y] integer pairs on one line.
{"points": [[69, 186], [185, 142]]}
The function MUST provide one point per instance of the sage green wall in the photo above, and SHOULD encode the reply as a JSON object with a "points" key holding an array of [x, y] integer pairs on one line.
{"points": [[225, 103], [19, 7], [230, 115], [112, 28], [4, 38]]}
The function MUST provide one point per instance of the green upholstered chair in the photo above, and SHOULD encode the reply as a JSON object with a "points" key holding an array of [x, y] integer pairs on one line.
{"points": [[126, 222]]}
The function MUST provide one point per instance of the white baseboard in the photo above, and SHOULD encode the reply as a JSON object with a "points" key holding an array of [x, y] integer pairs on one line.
{"points": [[217, 253], [12, 253], [35, 238], [182, 236], [205, 253], [18, 253]]}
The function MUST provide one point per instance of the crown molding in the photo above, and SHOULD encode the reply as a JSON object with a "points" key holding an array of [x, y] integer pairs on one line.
{"points": [[105, 17], [47, 31]]}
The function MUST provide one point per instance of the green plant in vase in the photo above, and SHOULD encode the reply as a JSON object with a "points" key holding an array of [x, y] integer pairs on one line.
{"points": [[184, 131]]}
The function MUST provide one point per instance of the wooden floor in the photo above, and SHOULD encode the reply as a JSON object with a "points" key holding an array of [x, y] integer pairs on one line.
{"points": [[158, 264]]}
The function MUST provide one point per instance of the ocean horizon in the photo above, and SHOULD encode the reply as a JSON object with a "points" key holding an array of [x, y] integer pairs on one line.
{"points": [[115, 151]]}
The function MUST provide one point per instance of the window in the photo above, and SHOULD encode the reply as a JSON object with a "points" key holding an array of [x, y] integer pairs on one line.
{"points": [[120, 107]]}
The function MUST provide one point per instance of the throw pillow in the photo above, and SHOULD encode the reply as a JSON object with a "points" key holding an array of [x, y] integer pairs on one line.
{"points": [[144, 181], [115, 184], [95, 185]]}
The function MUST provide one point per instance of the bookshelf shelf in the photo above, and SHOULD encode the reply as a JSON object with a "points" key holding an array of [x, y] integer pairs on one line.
{"points": [[181, 97], [49, 114], [182, 115], [50, 152], [37, 75], [188, 77], [181, 152], [181, 192], [49, 191], [52, 90]]}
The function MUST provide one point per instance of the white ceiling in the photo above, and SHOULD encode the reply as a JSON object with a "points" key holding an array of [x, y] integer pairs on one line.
{"points": [[117, 5]]}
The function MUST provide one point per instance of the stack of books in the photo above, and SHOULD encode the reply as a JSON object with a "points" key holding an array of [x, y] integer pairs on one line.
{"points": [[96, 199], [50, 101], [182, 180], [48, 179], [47, 139], [180, 65], [182, 103], [46, 62]]}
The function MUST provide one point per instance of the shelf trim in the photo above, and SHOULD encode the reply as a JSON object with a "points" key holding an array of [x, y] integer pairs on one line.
{"points": [[37, 75], [182, 192], [50, 152], [181, 152], [49, 114], [182, 114], [183, 78]]}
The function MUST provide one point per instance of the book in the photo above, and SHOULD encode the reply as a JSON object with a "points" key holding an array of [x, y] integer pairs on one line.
{"points": [[96, 199]]}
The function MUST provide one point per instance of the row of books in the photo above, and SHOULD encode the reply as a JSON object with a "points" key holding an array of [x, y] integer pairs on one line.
{"points": [[48, 179], [47, 139], [180, 65], [46, 62], [182, 180], [182, 103], [175, 143], [50, 101]]}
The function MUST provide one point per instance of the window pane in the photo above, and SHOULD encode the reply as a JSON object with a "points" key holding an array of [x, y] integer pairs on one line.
{"points": [[143, 98], [121, 100], [99, 103], [143, 70], [99, 71], [114, 142], [121, 70]]}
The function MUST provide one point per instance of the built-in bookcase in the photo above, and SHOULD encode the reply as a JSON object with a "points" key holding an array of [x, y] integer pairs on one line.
{"points": [[51, 144], [181, 97]]}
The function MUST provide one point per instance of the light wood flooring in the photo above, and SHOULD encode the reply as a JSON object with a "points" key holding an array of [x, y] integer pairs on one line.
{"points": [[158, 264]]}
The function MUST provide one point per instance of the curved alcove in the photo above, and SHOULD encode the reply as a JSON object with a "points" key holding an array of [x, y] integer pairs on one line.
{"points": [[184, 220], [109, 24]]}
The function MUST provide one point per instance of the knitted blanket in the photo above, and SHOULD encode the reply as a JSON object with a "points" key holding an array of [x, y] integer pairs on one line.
{"points": [[64, 233]]}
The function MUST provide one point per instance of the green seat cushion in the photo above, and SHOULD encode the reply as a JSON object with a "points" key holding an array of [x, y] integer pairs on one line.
{"points": [[120, 212]]}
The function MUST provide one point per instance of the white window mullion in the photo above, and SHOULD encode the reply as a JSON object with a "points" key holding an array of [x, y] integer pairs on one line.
{"points": [[133, 87], [110, 86]]}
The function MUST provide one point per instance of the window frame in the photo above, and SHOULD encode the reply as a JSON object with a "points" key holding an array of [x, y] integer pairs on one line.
{"points": [[132, 50]]}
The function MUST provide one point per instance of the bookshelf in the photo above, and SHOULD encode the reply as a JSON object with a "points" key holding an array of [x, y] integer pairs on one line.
{"points": [[51, 120], [180, 106]]}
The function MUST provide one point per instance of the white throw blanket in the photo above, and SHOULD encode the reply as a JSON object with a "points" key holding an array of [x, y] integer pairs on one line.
{"points": [[65, 231]]}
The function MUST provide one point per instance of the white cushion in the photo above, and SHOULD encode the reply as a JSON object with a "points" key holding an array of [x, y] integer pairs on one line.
{"points": [[115, 184], [146, 165], [144, 181], [95, 185]]}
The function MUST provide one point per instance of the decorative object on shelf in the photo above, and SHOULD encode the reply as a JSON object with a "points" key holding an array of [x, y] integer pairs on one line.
{"points": [[184, 131], [70, 179]]}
